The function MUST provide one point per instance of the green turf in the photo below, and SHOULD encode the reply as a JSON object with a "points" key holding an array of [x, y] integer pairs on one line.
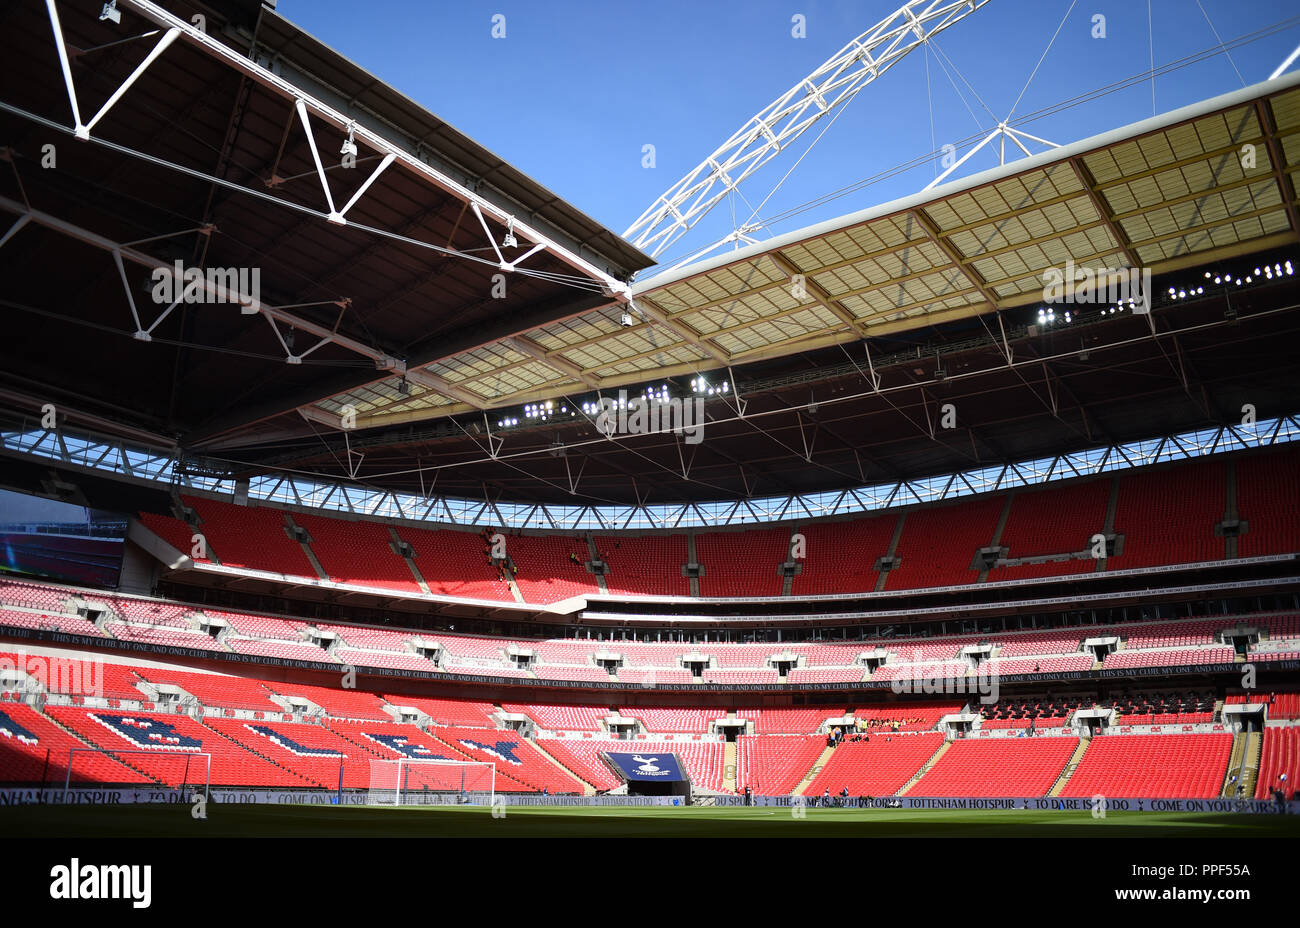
{"points": [[311, 821]]}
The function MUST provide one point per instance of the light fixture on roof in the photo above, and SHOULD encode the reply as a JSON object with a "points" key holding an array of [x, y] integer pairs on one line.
{"points": [[626, 320], [111, 13], [403, 387], [349, 143], [510, 241]]}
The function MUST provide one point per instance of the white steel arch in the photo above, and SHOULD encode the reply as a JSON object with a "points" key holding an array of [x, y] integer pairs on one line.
{"points": [[765, 135]]}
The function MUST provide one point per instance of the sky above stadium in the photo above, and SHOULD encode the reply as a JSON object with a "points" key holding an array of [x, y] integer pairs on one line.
{"points": [[574, 91]]}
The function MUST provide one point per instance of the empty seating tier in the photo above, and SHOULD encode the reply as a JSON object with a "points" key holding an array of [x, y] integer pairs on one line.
{"points": [[1180, 766]]}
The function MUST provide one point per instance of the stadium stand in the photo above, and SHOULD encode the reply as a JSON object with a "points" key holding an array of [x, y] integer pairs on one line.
{"points": [[562, 718], [997, 767], [217, 690], [1268, 500], [1283, 703], [1177, 766], [673, 721], [339, 703], [311, 752], [456, 564], [35, 749], [515, 757], [172, 736], [1167, 516], [250, 536], [447, 712], [775, 765], [1053, 521], [357, 552], [645, 565], [939, 544], [742, 563], [1280, 756], [842, 556], [768, 721], [878, 767]]}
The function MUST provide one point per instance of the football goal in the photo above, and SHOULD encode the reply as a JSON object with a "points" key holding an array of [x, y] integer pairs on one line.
{"points": [[418, 781], [189, 772]]}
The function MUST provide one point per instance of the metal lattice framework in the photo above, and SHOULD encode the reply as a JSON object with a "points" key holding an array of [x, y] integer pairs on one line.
{"points": [[771, 131], [78, 449]]}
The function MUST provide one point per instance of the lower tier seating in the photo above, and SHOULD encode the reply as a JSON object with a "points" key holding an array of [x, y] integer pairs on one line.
{"points": [[1280, 756], [997, 767], [879, 767], [1179, 766]]}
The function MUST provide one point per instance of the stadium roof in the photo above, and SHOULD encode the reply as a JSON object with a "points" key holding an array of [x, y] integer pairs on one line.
{"points": [[223, 151], [1168, 193]]}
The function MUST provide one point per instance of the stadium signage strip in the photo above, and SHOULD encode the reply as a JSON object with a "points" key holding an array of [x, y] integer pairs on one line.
{"points": [[130, 796], [65, 638], [98, 795], [1026, 803]]}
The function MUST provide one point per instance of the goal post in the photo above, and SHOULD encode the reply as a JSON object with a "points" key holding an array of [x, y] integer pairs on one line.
{"points": [[415, 781], [178, 770]]}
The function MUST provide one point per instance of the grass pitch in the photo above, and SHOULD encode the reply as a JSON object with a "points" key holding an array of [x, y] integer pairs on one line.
{"points": [[318, 821]]}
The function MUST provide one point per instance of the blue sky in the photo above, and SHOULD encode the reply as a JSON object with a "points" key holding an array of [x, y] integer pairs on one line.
{"points": [[576, 89]]}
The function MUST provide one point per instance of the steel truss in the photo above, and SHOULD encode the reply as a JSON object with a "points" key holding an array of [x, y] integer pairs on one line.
{"points": [[775, 127], [81, 449], [308, 109]]}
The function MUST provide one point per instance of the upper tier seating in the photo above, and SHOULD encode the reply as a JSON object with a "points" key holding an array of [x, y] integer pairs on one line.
{"points": [[357, 552], [742, 563], [176, 533], [841, 556], [1180, 766], [1268, 499], [51, 621], [163, 635], [456, 564], [1170, 657], [1053, 520], [1167, 516], [547, 574], [645, 565], [938, 544], [250, 536]]}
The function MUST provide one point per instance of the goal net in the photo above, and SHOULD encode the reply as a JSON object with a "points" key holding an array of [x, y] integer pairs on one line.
{"points": [[416, 781], [189, 772]]}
